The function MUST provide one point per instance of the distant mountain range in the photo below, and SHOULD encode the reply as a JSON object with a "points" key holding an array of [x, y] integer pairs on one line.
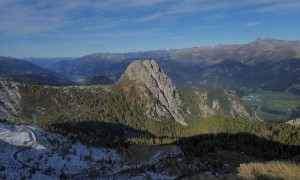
{"points": [[45, 62], [265, 63], [11, 66], [22, 71], [278, 76], [260, 50]]}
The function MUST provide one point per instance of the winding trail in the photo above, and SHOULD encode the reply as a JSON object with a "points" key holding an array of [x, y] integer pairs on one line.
{"points": [[33, 142]]}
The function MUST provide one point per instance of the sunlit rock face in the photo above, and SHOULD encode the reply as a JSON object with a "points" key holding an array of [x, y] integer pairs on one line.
{"points": [[152, 77]]}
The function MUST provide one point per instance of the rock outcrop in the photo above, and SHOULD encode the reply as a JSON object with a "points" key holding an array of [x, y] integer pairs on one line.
{"points": [[9, 100], [199, 103], [222, 101], [166, 99], [294, 122]]}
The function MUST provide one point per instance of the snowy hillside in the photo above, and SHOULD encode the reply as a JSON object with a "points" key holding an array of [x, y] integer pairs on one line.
{"points": [[30, 152]]}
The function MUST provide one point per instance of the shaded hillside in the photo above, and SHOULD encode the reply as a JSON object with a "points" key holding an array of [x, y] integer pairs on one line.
{"points": [[11, 66], [98, 133], [25, 72], [231, 74], [279, 76], [250, 144]]}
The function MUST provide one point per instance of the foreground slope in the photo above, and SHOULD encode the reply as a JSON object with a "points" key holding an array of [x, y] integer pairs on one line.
{"points": [[31, 152]]}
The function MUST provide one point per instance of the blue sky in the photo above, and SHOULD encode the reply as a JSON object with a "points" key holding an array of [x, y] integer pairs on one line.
{"points": [[48, 28]]}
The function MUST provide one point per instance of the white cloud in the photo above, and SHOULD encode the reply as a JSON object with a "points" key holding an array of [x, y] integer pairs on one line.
{"points": [[19, 17], [186, 7], [274, 6], [28, 17], [284, 7]]}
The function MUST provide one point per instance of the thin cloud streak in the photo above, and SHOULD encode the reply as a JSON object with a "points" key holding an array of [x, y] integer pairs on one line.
{"points": [[186, 7], [253, 24], [274, 6], [286, 7], [18, 17]]}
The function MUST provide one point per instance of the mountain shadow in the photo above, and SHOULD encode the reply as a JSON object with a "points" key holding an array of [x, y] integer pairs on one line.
{"points": [[245, 143], [98, 133]]}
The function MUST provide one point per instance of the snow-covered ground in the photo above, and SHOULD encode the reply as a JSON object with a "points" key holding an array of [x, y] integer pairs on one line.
{"points": [[27, 151], [30, 152]]}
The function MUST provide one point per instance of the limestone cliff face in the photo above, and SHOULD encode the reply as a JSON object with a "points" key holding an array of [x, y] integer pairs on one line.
{"points": [[9, 100], [157, 85]]}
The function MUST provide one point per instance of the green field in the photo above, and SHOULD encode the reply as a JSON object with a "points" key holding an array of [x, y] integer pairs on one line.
{"points": [[273, 106]]}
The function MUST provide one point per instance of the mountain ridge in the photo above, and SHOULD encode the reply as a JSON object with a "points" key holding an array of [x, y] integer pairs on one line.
{"points": [[185, 66], [12, 66], [26, 72]]}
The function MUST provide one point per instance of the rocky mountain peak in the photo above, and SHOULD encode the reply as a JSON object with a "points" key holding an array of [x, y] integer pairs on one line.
{"points": [[152, 77]]}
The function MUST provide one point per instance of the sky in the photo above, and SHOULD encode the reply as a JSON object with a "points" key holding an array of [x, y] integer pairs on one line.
{"points": [[56, 28]]}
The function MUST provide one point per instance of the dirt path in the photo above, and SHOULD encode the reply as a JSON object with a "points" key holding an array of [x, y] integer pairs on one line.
{"points": [[33, 141]]}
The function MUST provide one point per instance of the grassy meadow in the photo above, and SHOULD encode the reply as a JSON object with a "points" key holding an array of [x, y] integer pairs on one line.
{"points": [[273, 106]]}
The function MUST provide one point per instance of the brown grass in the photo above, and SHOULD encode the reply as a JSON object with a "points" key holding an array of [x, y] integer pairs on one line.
{"points": [[270, 170]]}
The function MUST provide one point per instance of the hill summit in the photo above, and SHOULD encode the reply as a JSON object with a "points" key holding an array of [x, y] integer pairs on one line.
{"points": [[153, 84]]}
